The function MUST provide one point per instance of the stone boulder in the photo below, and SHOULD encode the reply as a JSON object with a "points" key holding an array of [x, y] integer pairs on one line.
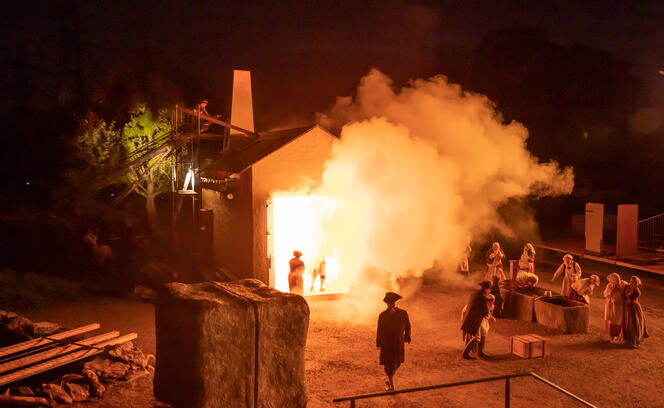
{"points": [[238, 344], [41, 329], [78, 392], [56, 393], [108, 369], [156, 274], [6, 315]]}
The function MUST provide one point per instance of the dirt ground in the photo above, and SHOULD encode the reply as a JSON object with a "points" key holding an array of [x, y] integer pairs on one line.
{"points": [[341, 358]]}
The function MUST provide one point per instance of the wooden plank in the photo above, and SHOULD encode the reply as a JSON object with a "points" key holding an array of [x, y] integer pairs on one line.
{"points": [[55, 352], [62, 360], [219, 122], [26, 345]]}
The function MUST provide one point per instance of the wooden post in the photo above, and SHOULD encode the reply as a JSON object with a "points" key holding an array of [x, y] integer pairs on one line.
{"points": [[352, 403], [507, 392], [514, 266]]}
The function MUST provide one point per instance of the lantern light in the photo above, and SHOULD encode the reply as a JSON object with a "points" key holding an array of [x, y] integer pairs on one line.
{"points": [[189, 179]]}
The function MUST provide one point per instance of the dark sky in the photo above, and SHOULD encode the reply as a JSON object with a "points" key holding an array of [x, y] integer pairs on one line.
{"points": [[302, 54]]}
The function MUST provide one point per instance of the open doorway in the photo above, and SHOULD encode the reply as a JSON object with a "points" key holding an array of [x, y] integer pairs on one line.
{"points": [[299, 223]]}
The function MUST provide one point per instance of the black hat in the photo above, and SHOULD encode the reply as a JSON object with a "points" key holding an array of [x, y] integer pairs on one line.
{"points": [[391, 297], [485, 284]]}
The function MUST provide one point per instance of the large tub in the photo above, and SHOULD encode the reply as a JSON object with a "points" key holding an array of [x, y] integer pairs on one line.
{"points": [[566, 315], [521, 303]]}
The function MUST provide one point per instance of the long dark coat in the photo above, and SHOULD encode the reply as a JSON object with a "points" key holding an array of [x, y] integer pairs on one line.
{"points": [[478, 309], [393, 331]]}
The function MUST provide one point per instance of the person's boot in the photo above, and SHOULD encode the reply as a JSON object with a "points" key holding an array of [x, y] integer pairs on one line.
{"points": [[466, 351], [481, 352], [322, 281]]}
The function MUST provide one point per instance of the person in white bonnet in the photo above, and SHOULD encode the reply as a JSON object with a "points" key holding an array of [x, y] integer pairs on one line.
{"points": [[526, 277], [572, 273], [494, 263]]}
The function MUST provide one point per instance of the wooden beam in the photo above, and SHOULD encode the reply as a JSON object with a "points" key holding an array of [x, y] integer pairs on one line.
{"points": [[26, 345], [219, 122], [55, 352], [63, 360]]}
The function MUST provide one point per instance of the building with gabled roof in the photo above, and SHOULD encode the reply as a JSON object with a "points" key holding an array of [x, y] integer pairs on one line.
{"points": [[236, 187]]}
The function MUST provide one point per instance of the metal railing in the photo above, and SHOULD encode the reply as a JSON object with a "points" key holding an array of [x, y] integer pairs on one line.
{"points": [[650, 228], [507, 379]]}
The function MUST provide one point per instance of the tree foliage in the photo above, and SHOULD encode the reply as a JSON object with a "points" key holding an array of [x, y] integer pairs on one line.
{"points": [[101, 146], [98, 142], [141, 134]]}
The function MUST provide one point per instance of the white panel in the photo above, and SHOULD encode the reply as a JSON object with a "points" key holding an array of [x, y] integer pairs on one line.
{"points": [[242, 108], [594, 227]]}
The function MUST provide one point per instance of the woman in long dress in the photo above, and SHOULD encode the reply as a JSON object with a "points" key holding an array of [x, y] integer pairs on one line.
{"points": [[572, 273], [494, 263], [613, 306], [634, 323]]}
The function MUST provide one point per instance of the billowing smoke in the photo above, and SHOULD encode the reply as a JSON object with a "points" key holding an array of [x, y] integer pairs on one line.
{"points": [[420, 172]]}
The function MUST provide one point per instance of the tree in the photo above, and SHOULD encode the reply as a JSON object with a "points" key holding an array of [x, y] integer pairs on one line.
{"points": [[138, 156], [98, 142], [145, 134]]}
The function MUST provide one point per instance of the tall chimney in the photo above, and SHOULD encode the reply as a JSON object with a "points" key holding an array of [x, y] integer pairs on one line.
{"points": [[242, 109]]}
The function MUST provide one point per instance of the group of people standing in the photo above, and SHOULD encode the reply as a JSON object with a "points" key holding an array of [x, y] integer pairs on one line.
{"points": [[296, 272], [623, 314]]}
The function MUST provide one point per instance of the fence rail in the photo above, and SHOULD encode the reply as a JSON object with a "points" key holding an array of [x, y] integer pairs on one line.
{"points": [[507, 379], [651, 228]]}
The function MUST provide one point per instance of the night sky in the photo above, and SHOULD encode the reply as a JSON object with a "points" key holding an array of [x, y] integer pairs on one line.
{"points": [[302, 53], [72, 57]]}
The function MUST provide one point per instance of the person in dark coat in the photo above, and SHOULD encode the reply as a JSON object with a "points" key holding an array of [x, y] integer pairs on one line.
{"points": [[393, 331], [475, 325]]}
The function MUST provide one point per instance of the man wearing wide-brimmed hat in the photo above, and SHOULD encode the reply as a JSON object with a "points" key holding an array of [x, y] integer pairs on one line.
{"points": [[393, 331], [476, 319]]}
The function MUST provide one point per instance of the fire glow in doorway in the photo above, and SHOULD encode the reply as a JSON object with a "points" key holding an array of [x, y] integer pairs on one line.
{"points": [[298, 223]]}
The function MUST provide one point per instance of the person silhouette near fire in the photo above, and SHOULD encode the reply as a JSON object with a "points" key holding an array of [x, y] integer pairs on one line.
{"points": [[295, 282], [319, 271], [393, 330]]}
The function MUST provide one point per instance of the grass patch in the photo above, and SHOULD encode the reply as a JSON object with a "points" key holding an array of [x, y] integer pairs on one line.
{"points": [[30, 290]]}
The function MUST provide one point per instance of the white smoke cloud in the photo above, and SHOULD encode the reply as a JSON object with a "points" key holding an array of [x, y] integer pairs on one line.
{"points": [[421, 171]]}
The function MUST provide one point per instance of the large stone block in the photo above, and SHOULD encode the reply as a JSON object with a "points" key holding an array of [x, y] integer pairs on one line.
{"points": [[566, 315], [237, 344]]}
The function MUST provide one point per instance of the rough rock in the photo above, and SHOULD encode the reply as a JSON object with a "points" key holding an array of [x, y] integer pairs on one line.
{"points": [[40, 329], [237, 344], [23, 391], [78, 392], [107, 369], [6, 315], [56, 393], [156, 274], [97, 389], [129, 354], [20, 325], [144, 293], [69, 378]]}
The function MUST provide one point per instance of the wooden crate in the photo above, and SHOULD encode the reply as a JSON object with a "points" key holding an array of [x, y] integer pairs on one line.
{"points": [[529, 346]]}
